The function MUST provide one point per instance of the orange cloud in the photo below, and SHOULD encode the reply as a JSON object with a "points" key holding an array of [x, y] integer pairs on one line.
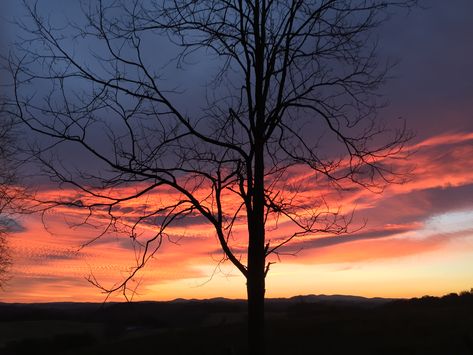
{"points": [[48, 265]]}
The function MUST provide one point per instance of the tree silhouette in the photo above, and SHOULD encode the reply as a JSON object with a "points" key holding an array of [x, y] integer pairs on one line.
{"points": [[292, 85], [9, 192]]}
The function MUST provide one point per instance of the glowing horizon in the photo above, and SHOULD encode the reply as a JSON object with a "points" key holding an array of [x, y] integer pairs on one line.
{"points": [[416, 242]]}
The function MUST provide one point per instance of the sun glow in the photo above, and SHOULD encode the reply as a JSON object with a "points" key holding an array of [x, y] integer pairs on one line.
{"points": [[418, 239]]}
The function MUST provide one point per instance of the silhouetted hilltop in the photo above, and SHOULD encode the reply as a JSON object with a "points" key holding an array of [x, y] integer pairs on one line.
{"points": [[186, 307]]}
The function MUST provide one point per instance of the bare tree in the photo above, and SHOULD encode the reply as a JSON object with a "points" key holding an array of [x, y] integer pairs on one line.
{"points": [[294, 85], [4, 259], [8, 191]]}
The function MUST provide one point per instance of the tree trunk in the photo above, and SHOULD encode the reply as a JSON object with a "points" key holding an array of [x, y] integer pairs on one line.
{"points": [[256, 251], [255, 281], [255, 290]]}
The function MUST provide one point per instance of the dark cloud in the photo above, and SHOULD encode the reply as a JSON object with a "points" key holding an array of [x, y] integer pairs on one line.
{"points": [[60, 256], [433, 82], [398, 214], [419, 205], [11, 225], [333, 240], [31, 281], [186, 221]]}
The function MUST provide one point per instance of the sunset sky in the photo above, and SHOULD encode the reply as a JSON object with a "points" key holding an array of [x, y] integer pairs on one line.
{"points": [[418, 237]]}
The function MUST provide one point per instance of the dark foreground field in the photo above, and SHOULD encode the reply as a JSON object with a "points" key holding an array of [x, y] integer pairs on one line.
{"points": [[300, 325]]}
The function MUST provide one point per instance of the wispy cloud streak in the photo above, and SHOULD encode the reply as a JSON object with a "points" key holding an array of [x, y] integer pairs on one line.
{"points": [[398, 223]]}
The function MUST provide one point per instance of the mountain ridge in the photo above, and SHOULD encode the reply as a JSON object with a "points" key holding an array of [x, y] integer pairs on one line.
{"points": [[309, 298]]}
